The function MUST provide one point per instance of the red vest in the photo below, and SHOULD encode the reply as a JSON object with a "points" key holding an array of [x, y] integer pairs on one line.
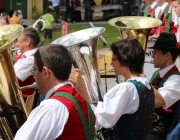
{"points": [[171, 108], [73, 129], [29, 81]]}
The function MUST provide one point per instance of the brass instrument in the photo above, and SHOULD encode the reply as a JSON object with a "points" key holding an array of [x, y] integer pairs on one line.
{"points": [[28, 86], [135, 26], [112, 68], [41, 21], [149, 61], [86, 61], [12, 108]]}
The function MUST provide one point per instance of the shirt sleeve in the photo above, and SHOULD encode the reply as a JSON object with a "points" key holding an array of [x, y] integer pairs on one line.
{"points": [[157, 10], [23, 67], [170, 91], [121, 99], [46, 122]]}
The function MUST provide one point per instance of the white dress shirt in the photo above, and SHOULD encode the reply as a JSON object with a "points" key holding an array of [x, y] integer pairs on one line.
{"points": [[24, 65], [122, 99], [152, 5], [160, 9], [47, 121], [177, 23], [171, 88]]}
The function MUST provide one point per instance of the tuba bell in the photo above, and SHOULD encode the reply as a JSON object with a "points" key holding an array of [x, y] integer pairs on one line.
{"points": [[79, 44], [12, 108], [135, 26]]}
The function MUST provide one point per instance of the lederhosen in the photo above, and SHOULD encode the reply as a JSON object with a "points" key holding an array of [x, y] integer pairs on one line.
{"points": [[162, 118], [136, 126]]}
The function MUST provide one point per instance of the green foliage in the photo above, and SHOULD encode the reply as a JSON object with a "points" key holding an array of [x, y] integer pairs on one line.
{"points": [[111, 34], [35, 13]]}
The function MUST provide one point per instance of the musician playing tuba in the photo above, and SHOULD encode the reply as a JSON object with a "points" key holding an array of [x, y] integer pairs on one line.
{"points": [[128, 106], [27, 42], [63, 114]]}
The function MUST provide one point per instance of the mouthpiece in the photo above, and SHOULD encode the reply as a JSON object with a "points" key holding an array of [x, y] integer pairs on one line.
{"points": [[105, 71], [149, 61], [28, 86]]}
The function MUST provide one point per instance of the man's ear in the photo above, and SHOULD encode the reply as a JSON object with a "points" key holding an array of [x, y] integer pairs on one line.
{"points": [[46, 72], [28, 41]]}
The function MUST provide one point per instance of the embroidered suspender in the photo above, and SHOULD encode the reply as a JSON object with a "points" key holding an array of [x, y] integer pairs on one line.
{"points": [[88, 129], [164, 78], [168, 18]]}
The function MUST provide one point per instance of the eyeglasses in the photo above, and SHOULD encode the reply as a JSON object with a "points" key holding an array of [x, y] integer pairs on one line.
{"points": [[33, 70], [113, 59]]}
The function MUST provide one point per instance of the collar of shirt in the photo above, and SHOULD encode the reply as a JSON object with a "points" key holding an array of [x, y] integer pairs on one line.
{"points": [[143, 80], [165, 70], [29, 53], [48, 94], [152, 5], [164, 6]]}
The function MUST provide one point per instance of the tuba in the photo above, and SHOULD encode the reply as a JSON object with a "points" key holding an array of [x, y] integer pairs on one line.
{"points": [[12, 108], [79, 44], [135, 26]]}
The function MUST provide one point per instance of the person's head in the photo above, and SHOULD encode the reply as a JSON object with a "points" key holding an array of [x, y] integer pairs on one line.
{"points": [[4, 15], [15, 13], [28, 40], [165, 50], [50, 9], [52, 65], [176, 5], [127, 54], [19, 12], [11, 13], [63, 20]]}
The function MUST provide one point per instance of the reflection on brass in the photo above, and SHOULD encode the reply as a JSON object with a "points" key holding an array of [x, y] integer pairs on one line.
{"points": [[87, 63], [135, 26], [119, 23], [12, 107]]}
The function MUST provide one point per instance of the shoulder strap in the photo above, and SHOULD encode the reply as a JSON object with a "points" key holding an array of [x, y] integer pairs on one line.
{"points": [[154, 75], [168, 18], [146, 11], [88, 129], [166, 77]]}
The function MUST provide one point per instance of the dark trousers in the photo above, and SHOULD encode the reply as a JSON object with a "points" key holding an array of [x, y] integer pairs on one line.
{"points": [[56, 9], [69, 10], [87, 14]]}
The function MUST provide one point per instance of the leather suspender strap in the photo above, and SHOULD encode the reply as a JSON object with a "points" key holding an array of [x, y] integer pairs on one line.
{"points": [[88, 129]]}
